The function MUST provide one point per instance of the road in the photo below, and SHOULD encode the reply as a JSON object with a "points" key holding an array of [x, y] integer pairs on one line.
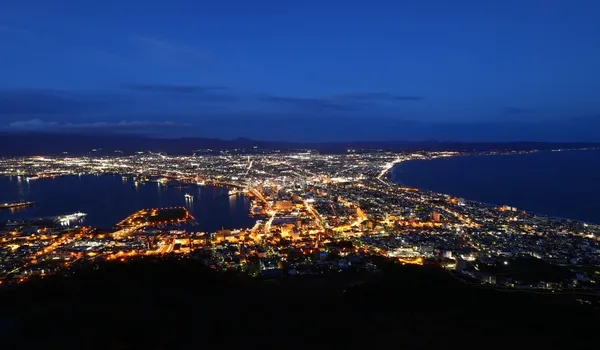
{"points": [[166, 248], [122, 233], [387, 168], [270, 221], [360, 217], [251, 190], [314, 213], [249, 167], [256, 226]]}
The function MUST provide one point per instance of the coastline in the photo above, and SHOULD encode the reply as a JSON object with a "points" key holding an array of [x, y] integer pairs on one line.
{"points": [[87, 201], [484, 154], [393, 177], [388, 174]]}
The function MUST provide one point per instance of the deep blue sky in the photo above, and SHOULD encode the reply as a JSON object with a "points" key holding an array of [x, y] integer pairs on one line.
{"points": [[304, 70]]}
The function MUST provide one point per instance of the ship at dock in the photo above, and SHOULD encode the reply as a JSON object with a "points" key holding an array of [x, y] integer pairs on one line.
{"points": [[11, 223], [15, 205], [67, 220]]}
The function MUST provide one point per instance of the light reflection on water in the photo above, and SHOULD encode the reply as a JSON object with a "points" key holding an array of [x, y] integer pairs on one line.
{"points": [[109, 199]]}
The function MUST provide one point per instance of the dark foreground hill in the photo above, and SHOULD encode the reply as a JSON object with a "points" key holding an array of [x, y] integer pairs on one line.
{"points": [[180, 304]]}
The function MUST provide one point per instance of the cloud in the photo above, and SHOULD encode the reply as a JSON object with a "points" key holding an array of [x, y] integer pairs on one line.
{"points": [[15, 31], [169, 49], [206, 93], [586, 118], [351, 102], [378, 96], [261, 126], [168, 88], [591, 122], [5, 29], [32, 124], [134, 98], [143, 107], [517, 110], [96, 54], [124, 126], [311, 104], [32, 102]]}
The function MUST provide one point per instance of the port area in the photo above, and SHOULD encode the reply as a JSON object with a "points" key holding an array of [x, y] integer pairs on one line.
{"points": [[15, 205], [156, 217]]}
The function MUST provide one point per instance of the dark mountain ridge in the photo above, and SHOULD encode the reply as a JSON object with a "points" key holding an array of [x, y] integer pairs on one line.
{"points": [[29, 144]]}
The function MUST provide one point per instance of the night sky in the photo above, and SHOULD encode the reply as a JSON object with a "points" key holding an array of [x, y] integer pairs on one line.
{"points": [[477, 70]]}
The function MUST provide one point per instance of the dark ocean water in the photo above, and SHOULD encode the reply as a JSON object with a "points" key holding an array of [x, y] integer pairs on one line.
{"points": [[560, 184], [109, 199]]}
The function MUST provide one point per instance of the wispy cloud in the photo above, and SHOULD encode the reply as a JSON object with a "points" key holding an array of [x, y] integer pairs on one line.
{"points": [[310, 104], [124, 126], [15, 31], [170, 88], [169, 49], [153, 103], [594, 119], [202, 93], [378, 96], [517, 110], [98, 54], [32, 124], [348, 102], [27, 102]]}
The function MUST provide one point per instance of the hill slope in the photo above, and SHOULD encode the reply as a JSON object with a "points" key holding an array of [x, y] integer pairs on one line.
{"points": [[180, 304]]}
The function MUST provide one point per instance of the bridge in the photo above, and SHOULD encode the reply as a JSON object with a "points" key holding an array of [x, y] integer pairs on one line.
{"points": [[253, 191]]}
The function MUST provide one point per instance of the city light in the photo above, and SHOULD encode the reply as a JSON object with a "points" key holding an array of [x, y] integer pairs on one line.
{"points": [[311, 213]]}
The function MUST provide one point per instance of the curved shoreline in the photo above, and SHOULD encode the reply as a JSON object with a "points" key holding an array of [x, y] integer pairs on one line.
{"points": [[392, 177], [391, 170], [45, 202]]}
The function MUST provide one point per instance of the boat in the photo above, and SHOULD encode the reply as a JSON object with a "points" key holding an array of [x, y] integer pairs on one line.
{"points": [[15, 222], [31, 178], [15, 205], [233, 193], [188, 196], [69, 218]]}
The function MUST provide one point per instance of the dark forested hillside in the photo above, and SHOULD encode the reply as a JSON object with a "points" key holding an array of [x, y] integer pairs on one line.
{"points": [[177, 303]]}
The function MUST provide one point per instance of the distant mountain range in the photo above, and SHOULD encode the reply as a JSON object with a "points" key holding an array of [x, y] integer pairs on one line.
{"points": [[27, 144]]}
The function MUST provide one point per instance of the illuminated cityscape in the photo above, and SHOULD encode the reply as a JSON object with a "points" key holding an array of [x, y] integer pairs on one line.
{"points": [[315, 213]]}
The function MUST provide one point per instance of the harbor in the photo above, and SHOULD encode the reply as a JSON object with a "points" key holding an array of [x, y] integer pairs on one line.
{"points": [[107, 200]]}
